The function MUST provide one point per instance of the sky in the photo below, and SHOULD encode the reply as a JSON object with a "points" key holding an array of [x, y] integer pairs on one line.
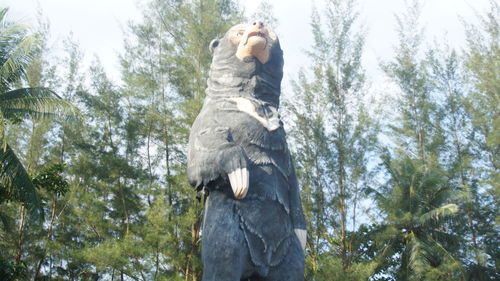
{"points": [[99, 27]]}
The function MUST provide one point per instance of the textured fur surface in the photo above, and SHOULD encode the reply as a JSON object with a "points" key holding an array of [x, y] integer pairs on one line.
{"points": [[251, 237]]}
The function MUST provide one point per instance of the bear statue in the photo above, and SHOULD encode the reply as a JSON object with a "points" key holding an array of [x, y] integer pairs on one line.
{"points": [[253, 224]]}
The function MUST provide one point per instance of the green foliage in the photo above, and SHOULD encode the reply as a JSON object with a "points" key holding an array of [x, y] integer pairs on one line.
{"points": [[482, 104], [482, 63], [414, 238], [429, 164], [332, 138], [11, 271], [52, 180], [17, 51], [16, 183], [331, 268], [416, 133]]}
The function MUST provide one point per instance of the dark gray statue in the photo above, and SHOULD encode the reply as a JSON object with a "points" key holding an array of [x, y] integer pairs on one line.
{"points": [[253, 227]]}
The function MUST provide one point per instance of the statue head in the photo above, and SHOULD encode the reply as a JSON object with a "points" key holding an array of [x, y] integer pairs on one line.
{"points": [[247, 61]]}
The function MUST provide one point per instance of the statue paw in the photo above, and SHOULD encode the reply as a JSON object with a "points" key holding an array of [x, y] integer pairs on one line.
{"points": [[239, 180]]}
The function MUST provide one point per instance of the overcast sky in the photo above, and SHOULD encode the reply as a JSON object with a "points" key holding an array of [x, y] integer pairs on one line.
{"points": [[98, 25]]}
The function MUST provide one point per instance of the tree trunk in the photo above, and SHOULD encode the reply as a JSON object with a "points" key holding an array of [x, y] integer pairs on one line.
{"points": [[20, 239]]}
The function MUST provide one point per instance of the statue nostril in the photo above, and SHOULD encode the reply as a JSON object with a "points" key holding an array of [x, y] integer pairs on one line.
{"points": [[259, 24]]}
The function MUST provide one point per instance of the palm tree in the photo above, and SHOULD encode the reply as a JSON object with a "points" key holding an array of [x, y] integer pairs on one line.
{"points": [[414, 241], [18, 48]]}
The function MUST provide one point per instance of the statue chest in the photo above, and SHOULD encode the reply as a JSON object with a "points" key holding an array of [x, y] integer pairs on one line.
{"points": [[250, 122]]}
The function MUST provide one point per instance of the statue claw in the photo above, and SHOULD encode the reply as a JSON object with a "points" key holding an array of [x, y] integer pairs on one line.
{"points": [[239, 180], [302, 235]]}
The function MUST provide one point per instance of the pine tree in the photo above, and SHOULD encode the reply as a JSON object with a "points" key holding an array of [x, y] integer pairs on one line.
{"points": [[415, 239], [105, 204], [332, 140], [482, 104]]}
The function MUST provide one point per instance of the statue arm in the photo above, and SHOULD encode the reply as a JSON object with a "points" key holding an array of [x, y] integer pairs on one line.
{"points": [[213, 154]]}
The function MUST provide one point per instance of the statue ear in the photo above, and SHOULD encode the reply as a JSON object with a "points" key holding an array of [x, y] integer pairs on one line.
{"points": [[213, 45]]}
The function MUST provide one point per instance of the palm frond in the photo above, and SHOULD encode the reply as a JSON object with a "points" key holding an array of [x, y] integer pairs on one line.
{"points": [[15, 183], [37, 103], [15, 60], [377, 195], [3, 140], [438, 213], [11, 32], [6, 220], [387, 252], [445, 255], [3, 12], [419, 255], [17, 49]]}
